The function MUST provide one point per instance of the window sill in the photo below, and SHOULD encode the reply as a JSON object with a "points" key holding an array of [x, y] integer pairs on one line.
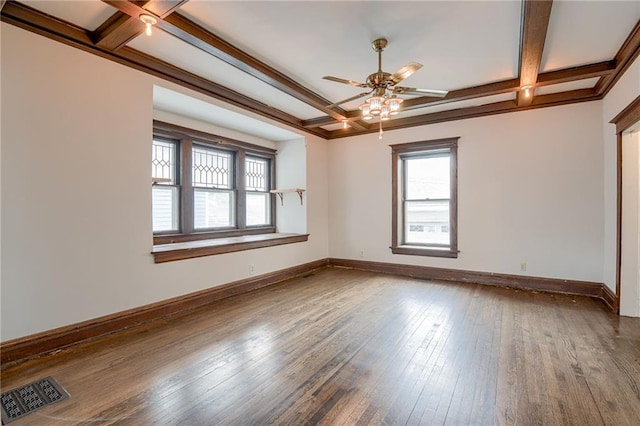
{"points": [[190, 249], [425, 251]]}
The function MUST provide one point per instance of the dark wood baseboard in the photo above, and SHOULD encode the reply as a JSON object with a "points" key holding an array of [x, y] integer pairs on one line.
{"points": [[48, 341], [610, 299], [553, 285], [39, 344]]}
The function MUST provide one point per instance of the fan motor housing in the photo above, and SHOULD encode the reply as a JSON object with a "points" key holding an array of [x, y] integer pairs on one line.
{"points": [[378, 79]]}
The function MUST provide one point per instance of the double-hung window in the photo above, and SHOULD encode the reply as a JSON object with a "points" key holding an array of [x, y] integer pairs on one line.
{"points": [[165, 192], [206, 186], [213, 188], [424, 216], [257, 185]]}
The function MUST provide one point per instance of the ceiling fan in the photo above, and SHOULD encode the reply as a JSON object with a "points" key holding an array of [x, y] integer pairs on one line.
{"points": [[379, 83]]}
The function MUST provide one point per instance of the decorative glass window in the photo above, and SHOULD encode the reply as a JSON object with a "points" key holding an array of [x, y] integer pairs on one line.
{"points": [[165, 192], [257, 174], [213, 188], [206, 186]]}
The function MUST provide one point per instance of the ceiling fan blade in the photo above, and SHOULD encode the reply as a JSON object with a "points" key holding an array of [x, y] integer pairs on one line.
{"points": [[349, 99], [405, 72], [425, 92], [343, 81]]}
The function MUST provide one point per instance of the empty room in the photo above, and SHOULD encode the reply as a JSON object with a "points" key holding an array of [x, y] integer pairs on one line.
{"points": [[320, 212]]}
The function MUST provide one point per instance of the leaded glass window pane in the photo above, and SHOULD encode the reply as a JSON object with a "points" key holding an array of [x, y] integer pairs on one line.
{"points": [[257, 174], [212, 168]]}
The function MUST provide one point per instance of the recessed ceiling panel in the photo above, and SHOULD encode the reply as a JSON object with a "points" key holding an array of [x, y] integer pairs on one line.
{"points": [[178, 103], [565, 87], [88, 14], [460, 44], [336, 126], [170, 49], [584, 32]]}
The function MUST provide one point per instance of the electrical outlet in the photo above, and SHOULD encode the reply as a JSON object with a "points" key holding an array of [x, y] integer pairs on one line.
{"points": [[361, 253], [251, 269], [523, 267]]}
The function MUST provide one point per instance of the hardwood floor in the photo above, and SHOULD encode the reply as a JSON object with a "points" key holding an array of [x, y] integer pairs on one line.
{"points": [[357, 348]]}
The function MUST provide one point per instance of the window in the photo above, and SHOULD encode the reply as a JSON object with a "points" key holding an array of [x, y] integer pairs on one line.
{"points": [[258, 196], [165, 196], [424, 216], [213, 188], [205, 186]]}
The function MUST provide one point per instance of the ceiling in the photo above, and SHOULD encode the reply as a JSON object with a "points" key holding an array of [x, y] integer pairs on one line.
{"points": [[269, 57]]}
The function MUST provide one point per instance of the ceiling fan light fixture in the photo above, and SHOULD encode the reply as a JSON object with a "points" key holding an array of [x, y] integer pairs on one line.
{"points": [[394, 104], [375, 105], [148, 22], [366, 111], [385, 112]]}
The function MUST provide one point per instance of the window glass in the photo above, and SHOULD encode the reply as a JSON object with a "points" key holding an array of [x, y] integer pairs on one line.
{"points": [[212, 168], [428, 177], [164, 191], [213, 195], [213, 209], [258, 197], [426, 205], [424, 188], [206, 186]]}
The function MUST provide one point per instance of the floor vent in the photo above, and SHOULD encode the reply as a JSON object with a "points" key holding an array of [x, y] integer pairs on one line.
{"points": [[24, 400]]}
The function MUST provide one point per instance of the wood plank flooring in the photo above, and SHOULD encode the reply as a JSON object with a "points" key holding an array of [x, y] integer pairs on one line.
{"points": [[346, 347]]}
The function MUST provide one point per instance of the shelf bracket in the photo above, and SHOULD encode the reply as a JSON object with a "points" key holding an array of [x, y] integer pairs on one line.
{"points": [[280, 193]]}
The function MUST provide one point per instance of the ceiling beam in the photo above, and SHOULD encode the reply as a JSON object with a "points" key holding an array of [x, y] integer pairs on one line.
{"points": [[121, 28], [581, 72], [627, 53], [117, 31], [553, 99], [197, 36], [535, 21], [30, 19], [565, 75], [424, 101]]}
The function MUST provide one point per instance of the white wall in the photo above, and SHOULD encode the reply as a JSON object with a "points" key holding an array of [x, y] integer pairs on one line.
{"points": [[630, 262], [76, 218], [622, 94], [529, 191], [291, 173]]}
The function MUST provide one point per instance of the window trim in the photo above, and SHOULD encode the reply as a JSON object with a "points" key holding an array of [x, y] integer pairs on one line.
{"points": [[399, 152], [185, 139]]}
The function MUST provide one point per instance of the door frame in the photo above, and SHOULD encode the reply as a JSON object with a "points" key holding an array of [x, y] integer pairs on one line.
{"points": [[625, 119]]}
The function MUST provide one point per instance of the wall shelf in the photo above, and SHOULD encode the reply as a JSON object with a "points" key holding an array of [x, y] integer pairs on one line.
{"points": [[157, 180], [281, 193]]}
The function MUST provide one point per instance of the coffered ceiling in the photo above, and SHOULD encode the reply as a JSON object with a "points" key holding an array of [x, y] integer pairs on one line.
{"points": [[269, 57]]}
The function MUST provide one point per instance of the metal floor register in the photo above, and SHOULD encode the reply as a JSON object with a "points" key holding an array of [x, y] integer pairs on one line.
{"points": [[25, 400]]}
